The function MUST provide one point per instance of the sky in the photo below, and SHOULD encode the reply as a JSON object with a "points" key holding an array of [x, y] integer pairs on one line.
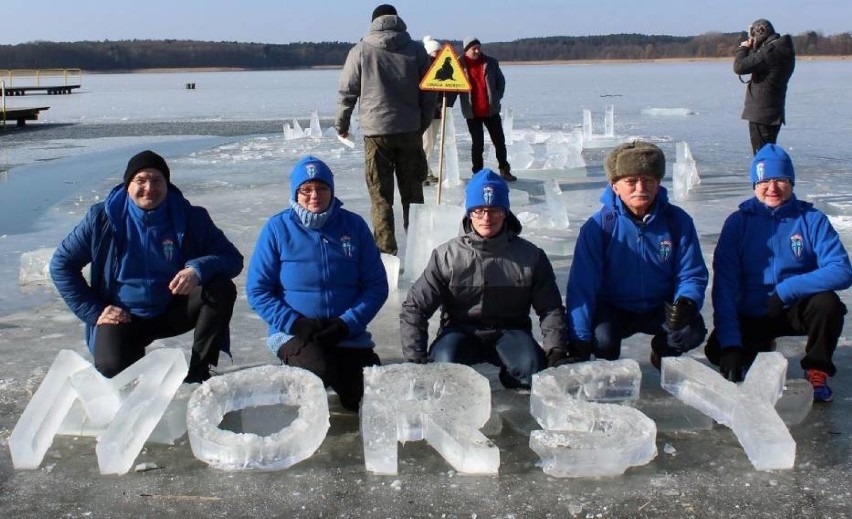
{"points": [[285, 21]]}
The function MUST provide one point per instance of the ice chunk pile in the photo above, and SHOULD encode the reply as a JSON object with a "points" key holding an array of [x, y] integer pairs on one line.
{"points": [[450, 172], [748, 409], [445, 404], [128, 407], [35, 267], [586, 439], [260, 386]]}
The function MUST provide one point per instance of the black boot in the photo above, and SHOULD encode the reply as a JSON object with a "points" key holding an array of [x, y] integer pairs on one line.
{"points": [[505, 173]]}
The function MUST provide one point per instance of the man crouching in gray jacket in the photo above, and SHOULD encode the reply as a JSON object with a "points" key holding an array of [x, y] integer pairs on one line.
{"points": [[485, 282]]}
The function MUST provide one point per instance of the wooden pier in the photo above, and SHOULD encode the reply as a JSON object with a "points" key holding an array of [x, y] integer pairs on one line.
{"points": [[20, 115], [19, 82]]}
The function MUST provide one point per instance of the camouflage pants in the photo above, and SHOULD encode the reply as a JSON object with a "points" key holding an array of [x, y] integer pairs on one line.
{"points": [[385, 155]]}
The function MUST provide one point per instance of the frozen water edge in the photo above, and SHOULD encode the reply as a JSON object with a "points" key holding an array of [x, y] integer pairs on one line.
{"points": [[707, 474]]}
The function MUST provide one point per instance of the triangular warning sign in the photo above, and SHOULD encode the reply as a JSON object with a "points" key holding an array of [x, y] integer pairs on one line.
{"points": [[445, 74]]}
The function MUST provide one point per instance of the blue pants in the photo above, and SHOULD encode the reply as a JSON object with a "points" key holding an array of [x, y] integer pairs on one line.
{"points": [[613, 324], [515, 351]]}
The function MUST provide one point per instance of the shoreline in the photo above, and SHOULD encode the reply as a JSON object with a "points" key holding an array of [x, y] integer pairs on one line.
{"points": [[176, 70]]}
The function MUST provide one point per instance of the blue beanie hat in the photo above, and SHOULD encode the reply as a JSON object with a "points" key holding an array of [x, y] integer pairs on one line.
{"points": [[771, 162], [310, 168], [486, 188]]}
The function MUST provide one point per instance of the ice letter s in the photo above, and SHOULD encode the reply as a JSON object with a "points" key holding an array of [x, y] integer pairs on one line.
{"points": [[585, 439]]}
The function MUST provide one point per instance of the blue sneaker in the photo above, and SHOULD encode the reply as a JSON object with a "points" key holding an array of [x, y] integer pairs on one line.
{"points": [[822, 393]]}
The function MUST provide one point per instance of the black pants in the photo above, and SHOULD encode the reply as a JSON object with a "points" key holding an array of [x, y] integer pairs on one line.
{"points": [[338, 367], [495, 130], [819, 317], [207, 310], [761, 134]]}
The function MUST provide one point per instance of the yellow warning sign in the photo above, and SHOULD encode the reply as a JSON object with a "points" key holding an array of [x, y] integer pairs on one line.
{"points": [[445, 74]]}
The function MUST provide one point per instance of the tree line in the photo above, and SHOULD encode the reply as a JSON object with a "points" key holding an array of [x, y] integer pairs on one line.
{"points": [[102, 56]]}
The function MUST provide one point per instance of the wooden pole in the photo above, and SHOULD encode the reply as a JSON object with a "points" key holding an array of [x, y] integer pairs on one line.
{"points": [[441, 148]]}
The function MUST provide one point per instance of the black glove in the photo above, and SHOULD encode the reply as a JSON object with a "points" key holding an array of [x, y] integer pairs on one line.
{"points": [[556, 357], [419, 358], [579, 351], [290, 349], [681, 313], [774, 306], [731, 363], [333, 331], [305, 328]]}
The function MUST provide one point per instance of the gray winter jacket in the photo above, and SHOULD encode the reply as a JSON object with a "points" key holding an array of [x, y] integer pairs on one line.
{"points": [[770, 65], [384, 70], [484, 284], [495, 84]]}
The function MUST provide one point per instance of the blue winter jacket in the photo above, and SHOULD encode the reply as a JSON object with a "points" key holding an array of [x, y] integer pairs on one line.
{"points": [[99, 239], [792, 250], [635, 266], [334, 271]]}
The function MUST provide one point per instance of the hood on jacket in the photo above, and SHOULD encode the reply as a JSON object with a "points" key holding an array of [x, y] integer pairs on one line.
{"points": [[387, 32]]}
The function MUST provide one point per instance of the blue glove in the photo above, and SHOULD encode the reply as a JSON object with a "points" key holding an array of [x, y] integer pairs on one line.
{"points": [[686, 338]]}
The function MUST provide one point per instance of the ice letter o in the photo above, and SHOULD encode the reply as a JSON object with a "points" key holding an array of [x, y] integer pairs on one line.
{"points": [[264, 385], [584, 439], [445, 404]]}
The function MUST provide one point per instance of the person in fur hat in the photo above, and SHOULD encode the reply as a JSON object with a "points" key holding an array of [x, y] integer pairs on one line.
{"points": [[159, 268], [637, 266], [485, 281]]}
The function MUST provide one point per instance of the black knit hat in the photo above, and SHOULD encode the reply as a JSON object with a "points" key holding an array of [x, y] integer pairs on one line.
{"points": [[383, 10], [142, 160]]}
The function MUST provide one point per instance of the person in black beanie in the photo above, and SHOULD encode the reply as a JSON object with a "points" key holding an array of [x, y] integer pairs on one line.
{"points": [[159, 268], [382, 76], [481, 106], [770, 59], [383, 10]]}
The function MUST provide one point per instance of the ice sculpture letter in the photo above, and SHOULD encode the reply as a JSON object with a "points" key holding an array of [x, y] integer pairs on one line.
{"points": [[748, 409], [586, 439], [264, 385], [129, 420], [443, 403]]}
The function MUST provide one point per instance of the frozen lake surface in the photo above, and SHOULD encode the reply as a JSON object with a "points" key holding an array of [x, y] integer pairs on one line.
{"points": [[226, 151]]}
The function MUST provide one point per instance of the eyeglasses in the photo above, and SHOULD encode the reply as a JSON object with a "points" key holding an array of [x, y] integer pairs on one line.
{"points": [[777, 182], [632, 181], [318, 190], [480, 212]]}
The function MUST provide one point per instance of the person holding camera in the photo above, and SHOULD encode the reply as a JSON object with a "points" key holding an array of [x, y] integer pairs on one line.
{"points": [[770, 59]]}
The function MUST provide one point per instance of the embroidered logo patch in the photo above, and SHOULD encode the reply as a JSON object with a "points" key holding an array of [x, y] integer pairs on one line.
{"points": [[168, 249], [311, 170], [797, 245], [761, 171], [346, 243], [665, 250], [488, 194]]}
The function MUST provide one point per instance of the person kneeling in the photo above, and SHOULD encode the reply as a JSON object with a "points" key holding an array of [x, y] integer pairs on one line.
{"points": [[317, 279]]}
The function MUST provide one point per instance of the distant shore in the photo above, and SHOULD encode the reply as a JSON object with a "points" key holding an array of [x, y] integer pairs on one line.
{"points": [[504, 63]]}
